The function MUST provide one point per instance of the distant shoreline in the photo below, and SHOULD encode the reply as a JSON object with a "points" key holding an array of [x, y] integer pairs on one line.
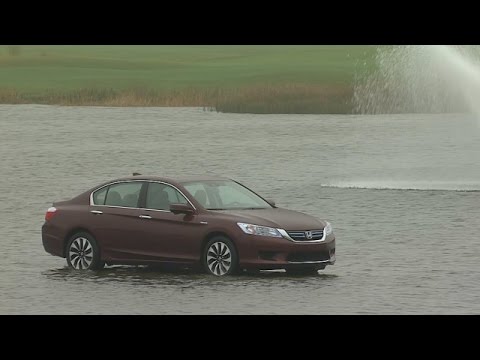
{"points": [[280, 99], [313, 79]]}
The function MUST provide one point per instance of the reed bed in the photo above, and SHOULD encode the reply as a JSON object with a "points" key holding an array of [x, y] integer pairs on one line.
{"points": [[258, 99]]}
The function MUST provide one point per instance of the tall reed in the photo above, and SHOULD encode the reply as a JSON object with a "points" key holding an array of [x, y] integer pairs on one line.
{"points": [[260, 99]]}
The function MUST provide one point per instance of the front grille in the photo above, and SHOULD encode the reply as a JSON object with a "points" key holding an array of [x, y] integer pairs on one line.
{"points": [[302, 235], [310, 256]]}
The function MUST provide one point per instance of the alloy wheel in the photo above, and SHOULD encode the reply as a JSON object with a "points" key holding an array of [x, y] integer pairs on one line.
{"points": [[81, 253], [219, 258]]}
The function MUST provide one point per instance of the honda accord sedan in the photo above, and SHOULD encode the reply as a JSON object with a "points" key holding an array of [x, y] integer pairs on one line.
{"points": [[212, 223]]}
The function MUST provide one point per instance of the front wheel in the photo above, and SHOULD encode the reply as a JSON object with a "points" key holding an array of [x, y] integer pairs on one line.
{"points": [[220, 256], [83, 253]]}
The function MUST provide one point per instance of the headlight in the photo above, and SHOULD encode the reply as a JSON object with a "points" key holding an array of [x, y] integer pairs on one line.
{"points": [[328, 229], [259, 230]]}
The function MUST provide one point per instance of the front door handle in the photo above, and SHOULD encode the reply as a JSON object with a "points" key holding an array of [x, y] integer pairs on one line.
{"points": [[145, 217], [96, 212]]}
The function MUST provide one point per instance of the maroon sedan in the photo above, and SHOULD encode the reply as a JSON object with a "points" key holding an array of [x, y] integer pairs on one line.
{"points": [[212, 222]]}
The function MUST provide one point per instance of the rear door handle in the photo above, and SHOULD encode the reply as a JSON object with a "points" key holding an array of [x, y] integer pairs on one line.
{"points": [[96, 212], [145, 217]]}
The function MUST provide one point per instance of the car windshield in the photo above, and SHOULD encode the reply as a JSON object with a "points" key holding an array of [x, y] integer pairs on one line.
{"points": [[224, 195]]}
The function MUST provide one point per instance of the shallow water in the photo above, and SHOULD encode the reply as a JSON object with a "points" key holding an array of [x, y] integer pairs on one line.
{"points": [[402, 192]]}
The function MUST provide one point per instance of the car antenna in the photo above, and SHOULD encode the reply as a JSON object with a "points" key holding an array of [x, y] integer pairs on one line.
{"points": [[136, 174]]}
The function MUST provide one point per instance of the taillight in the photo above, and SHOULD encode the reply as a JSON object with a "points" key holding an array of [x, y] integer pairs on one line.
{"points": [[50, 213]]}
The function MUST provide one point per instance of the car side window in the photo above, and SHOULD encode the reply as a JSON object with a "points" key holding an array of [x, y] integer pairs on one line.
{"points": [[200, 194], [160, 196], [99, 196], [174, 196], [124, 194]]}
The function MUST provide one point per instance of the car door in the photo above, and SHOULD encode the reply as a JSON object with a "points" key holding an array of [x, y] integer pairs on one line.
{"points": [[171, 237], [116, 221]]}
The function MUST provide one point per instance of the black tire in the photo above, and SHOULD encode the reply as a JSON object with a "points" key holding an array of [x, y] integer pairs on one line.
{"points": [[82, 252], [220, 257], [307, 270]]}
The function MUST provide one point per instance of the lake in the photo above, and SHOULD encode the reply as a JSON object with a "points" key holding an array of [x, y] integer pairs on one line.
{"points": [[401, 191]]}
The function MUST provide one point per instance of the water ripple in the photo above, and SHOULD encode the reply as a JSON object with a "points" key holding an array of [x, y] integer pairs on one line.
{"points": [[398, 251]]}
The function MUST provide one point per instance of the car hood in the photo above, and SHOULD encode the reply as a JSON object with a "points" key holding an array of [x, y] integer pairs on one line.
{"points": [[276, 217]]}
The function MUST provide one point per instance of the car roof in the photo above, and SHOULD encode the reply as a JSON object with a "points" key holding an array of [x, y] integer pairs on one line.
{"points": [[173, 180]]}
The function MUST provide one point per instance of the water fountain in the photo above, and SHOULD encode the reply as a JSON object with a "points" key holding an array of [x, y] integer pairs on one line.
{"points": [[420, 79]]}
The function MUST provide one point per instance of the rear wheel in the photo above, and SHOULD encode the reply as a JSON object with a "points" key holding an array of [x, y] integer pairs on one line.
{"points": [[83, 253], [220, 256]]}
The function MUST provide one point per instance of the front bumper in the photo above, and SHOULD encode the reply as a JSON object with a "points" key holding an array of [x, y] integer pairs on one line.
{"points": [[268, 253]]}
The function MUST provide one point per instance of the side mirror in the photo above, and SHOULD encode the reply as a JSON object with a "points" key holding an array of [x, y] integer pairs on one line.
{"points": [[271, 202], [181, 209]]}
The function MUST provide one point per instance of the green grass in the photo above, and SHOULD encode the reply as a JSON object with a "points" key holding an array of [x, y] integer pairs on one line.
{"points": [[255, 79]]}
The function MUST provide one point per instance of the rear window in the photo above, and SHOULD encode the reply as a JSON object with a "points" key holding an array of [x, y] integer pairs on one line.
{"points": [[99, 196], [125, 194]]}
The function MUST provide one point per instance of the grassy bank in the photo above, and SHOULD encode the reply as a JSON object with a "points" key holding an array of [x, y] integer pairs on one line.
{"points": [[255, 79]]}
